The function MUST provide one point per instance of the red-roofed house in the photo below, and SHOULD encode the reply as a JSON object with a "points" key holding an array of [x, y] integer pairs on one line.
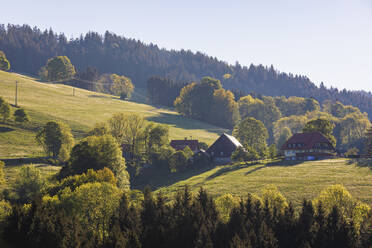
{"points": [[308, 146], [181, 144]]}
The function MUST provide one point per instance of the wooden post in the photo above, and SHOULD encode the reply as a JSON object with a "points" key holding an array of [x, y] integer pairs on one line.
{"points": [[16, 95]]}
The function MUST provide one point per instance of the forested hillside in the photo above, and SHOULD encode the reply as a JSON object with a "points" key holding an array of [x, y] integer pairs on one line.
{"points": [[28, 49]]}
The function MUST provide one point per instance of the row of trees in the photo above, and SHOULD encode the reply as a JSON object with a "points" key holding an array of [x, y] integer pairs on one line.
{"points": [[88, 210], [281, 116], [28, 49]]}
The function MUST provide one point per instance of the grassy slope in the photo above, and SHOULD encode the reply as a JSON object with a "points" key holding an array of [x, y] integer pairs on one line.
{"points": [[55, 101], [295, 181]]}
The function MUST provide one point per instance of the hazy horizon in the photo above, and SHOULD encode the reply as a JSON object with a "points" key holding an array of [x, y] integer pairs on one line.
{"points": [[325, 41]]}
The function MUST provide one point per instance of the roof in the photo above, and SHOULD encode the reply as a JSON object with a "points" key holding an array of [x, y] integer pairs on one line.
{"points": [[233, 140], [181, 144], [305, 141], [224, 146]]}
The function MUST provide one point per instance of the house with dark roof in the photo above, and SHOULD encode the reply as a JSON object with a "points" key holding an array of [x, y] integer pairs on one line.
{"points": [[222, 149], [181, 144], [308, 146]]}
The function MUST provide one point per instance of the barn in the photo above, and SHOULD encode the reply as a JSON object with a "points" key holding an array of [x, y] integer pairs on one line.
{"points": [[222, 149]]}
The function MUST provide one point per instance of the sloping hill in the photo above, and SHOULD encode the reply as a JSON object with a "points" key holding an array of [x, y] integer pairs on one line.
{"points": [[46, 102], [295, 180], [29, 48]]}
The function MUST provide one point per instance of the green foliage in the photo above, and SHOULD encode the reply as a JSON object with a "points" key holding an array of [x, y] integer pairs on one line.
{"points": [[352, 151], [203, 145], [28, 184], [284, 135], [207, 101], [224, 111], [20, 115], [97, 152], [188, 153], [253, 133], [338, 196], [323, 126], [55, 138], [160, 156], [263, 110], [4, 109], [91, 176], [245, 154], [368, 142], [296, 105], [128, 129], [2, 174], [5, 211], [158, 136], [57, 68], [224, 204], [272, 151], [178, 161], [121, 86], [92, 204], [274, 199], [4, 63], [100, 129]]}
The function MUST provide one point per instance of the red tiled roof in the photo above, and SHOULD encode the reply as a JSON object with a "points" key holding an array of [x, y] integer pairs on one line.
{"points": [[181, 144], [307, 141]]}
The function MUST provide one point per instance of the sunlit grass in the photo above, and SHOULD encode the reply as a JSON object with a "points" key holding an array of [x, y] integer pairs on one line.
{"points": [[46, 102]]}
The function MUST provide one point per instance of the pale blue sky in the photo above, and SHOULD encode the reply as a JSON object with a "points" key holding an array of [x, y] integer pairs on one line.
{"points": [[326, 40]]}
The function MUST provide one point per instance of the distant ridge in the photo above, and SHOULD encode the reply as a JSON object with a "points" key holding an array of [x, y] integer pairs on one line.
{"points": [[28, 49]]}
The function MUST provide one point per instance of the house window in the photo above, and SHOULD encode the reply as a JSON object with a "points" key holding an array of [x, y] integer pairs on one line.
{"points": [[221, 153], [289, 145]]}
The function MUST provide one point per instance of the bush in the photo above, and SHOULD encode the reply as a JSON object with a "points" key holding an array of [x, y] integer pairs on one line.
{"points": [[20, 115]]}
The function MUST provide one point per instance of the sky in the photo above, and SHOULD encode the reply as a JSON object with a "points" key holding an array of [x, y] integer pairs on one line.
{"points": [[328, 41]]}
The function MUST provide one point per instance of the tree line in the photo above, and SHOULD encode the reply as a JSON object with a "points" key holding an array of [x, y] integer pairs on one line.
{"points": [[88, 210], [28, 49]]}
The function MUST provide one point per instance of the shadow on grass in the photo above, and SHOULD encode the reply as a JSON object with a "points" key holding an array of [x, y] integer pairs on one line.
{"points": [[5, 129], [361, 162], [25, 161], [260, 165], [157, 178], [182, 122]]}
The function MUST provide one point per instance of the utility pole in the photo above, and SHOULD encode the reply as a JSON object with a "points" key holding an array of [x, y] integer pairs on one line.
{"points": [[16, 95], [73, 91]]}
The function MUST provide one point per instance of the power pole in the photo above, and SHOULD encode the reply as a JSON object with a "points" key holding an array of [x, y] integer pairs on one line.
{"points": [[73, 91], [16, 95]]}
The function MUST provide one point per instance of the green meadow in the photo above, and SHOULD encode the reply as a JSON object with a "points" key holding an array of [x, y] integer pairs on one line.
{"points": [[45, 102]]}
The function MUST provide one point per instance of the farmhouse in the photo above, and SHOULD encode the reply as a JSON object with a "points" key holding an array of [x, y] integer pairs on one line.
{"points": [[308, 146], [222, 149], [181, 144]]}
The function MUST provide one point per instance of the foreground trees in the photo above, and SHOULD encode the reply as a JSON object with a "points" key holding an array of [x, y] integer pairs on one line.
{"points": [[85, 213]]}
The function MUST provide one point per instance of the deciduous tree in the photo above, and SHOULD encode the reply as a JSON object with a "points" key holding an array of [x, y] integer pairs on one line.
{"points": [[54, 137], [4, 63], [58, 68]]}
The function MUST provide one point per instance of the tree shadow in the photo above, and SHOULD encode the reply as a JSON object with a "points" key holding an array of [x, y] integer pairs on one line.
{"points": [[26, 161], [361, 162], [6, 129], [157, 178], [227, 169], [184, 123]]}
